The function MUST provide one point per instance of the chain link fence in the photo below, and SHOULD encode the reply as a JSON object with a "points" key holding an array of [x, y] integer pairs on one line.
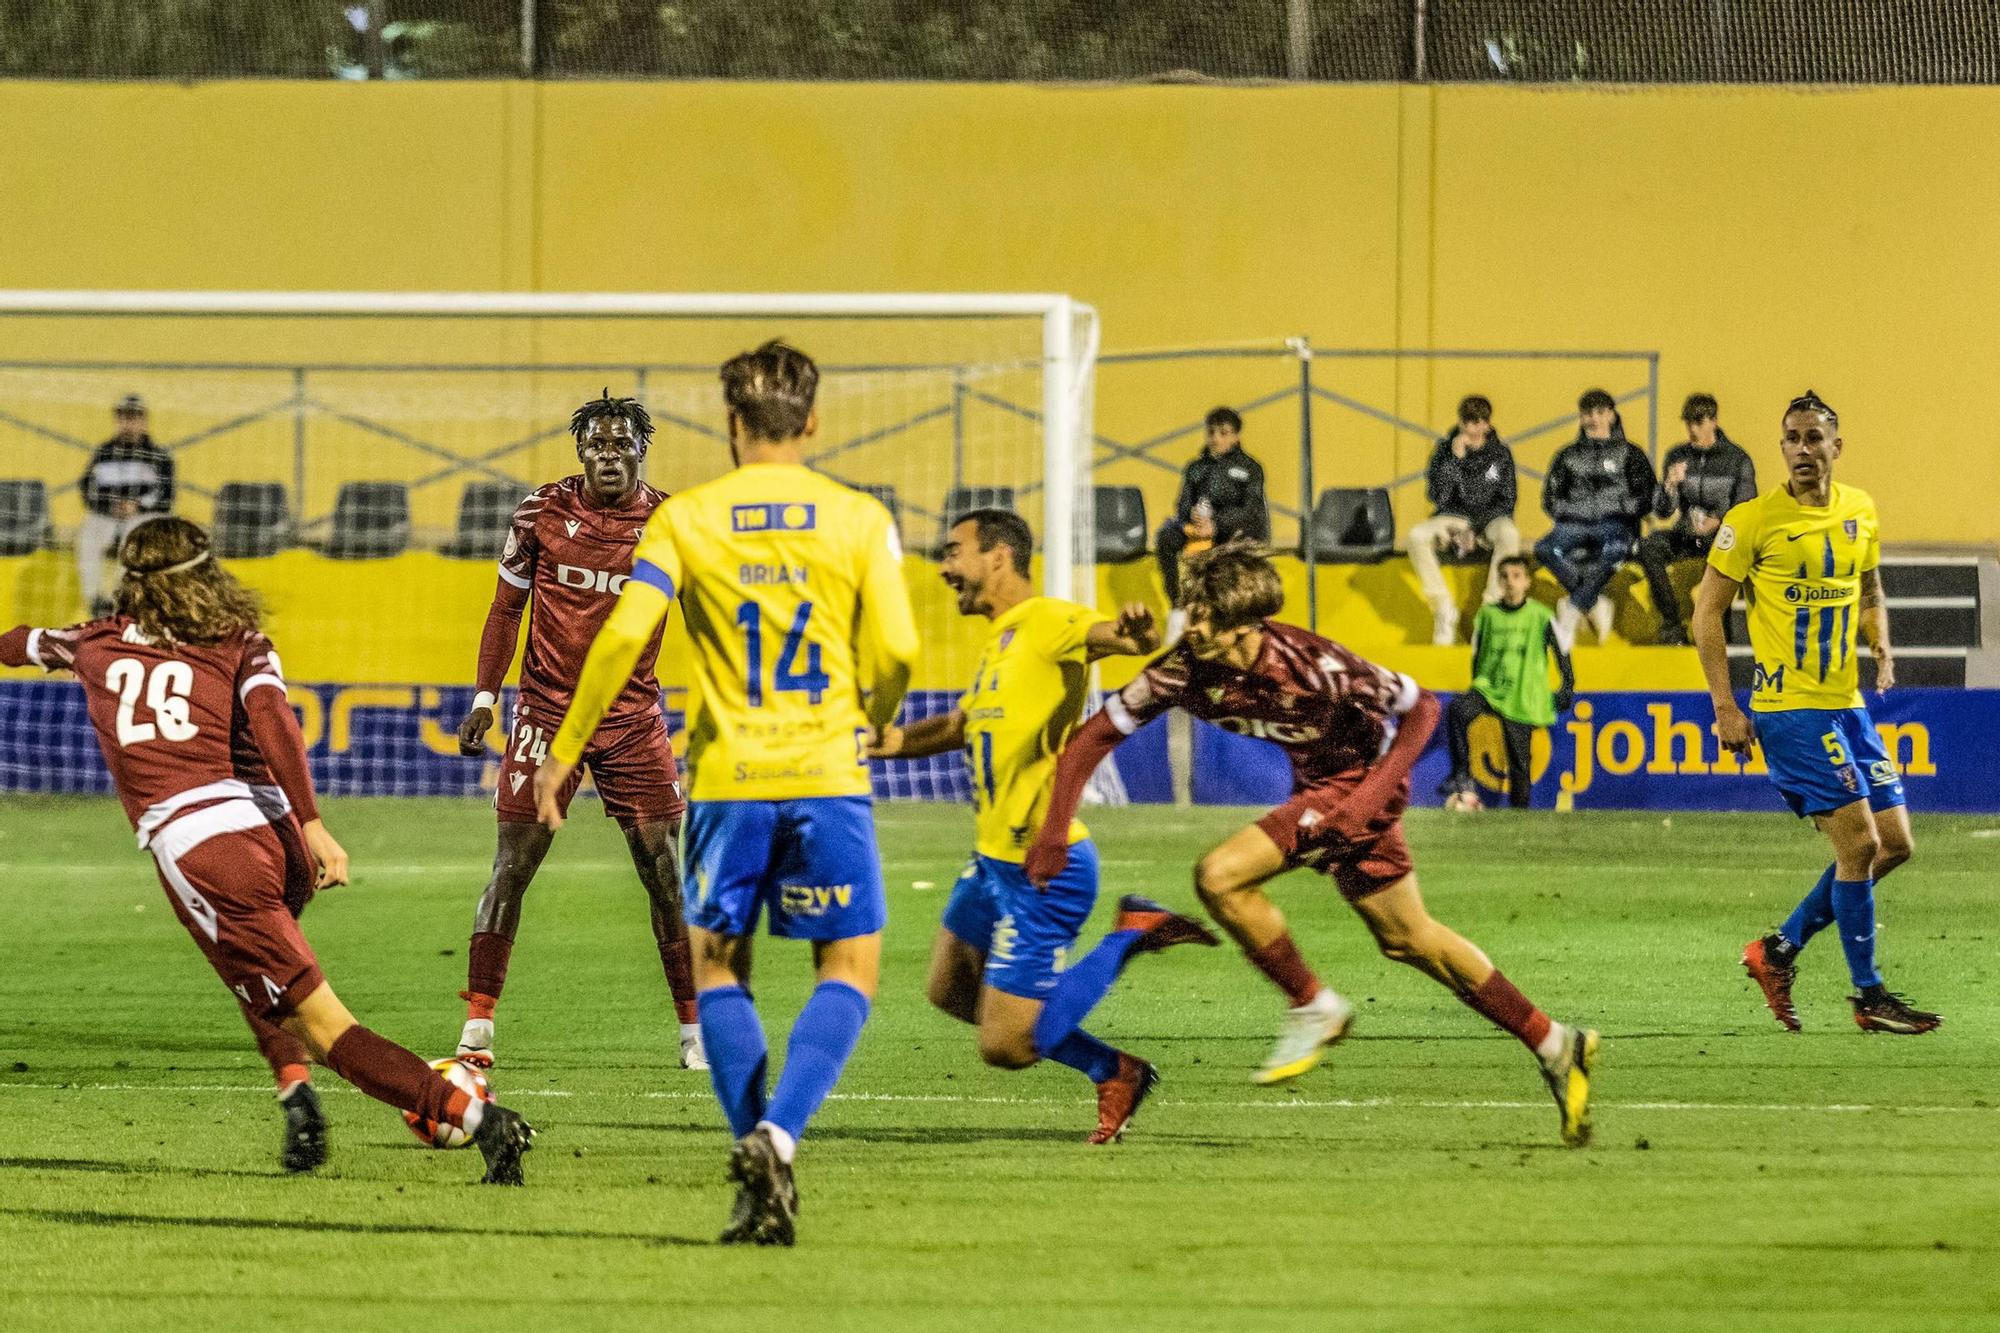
{"points": [[1532, 41]]}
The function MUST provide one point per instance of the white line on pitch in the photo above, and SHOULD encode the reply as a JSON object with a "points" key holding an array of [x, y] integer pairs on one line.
{"points": [[227, 1087]]}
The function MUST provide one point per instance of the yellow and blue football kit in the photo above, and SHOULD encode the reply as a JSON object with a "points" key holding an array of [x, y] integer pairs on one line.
{"points": [[1801, 567], [792, 591], [1024, 701]]}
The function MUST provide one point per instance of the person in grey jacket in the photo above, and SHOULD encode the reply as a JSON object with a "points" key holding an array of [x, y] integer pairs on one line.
{"points": [[1701, 481], [1597, 488], [130, 479], [1471, 485]]}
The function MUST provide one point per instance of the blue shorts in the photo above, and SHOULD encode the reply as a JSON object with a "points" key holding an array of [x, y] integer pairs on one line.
{"points": [[1024, 932], [812, 860], [1824, 758]]}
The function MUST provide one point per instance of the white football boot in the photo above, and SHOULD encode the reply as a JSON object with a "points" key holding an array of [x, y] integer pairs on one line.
{"points": [[1308, 1031]]}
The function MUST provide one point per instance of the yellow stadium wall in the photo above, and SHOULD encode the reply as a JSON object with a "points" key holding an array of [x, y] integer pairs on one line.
{"points": [[1762, 240]]}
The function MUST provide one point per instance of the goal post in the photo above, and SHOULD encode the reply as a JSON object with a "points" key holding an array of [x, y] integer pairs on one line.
{"points": [[375, 424]]}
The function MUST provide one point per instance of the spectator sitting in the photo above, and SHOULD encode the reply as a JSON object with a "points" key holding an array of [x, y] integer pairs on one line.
{"points": [[1511, 641], [1597, 487], [1471, 488], [1221, 500], [1702, 480], [130, 479]]}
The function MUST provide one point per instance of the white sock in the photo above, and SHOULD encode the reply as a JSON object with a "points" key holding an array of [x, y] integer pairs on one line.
{"points": [[1552, 1045], [474, 1113], [783, 1142], [690, 1030], [1326, 1001]]}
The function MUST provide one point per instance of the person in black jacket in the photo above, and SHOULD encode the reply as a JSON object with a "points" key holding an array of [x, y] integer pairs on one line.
{"points": [[1471, 485], [1702, 480], [130, 479], [1222, 500], [1598, 486]]}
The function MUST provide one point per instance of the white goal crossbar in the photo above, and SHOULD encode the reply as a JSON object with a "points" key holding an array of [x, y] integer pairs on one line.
{"points": [[1066, 356]]}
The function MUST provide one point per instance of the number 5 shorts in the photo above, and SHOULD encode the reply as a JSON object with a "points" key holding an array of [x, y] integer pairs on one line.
{"points": [[1824, 758]]}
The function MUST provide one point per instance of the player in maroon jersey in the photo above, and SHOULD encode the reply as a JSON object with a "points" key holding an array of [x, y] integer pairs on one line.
{"points": [[173, 680], [570, 550], [1331, 711]]}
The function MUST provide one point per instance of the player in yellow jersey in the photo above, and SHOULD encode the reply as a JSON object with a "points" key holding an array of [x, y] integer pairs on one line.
{"points": [[792, 590], [1026, 696], [1807, 555]]}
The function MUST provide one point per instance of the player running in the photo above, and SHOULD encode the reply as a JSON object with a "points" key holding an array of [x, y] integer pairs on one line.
{"points": [[1330, 711], [792, 586], [570, 550], [1807, 555], [170, 679], [1025, 698]]}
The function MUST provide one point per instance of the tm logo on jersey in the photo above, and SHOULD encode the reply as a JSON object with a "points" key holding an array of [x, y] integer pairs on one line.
{"points": [[779, 517]]}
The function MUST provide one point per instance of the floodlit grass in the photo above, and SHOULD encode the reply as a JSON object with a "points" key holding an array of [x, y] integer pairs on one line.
{"points": [[1742, 1178]]}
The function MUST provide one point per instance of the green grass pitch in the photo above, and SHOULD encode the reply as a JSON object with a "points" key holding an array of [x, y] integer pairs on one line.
{"points": [[1741, 1179]]}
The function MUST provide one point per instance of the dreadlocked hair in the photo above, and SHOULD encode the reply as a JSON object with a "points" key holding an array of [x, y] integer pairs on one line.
{"points": [[1811, 402], [627, 409], [174, 589]]}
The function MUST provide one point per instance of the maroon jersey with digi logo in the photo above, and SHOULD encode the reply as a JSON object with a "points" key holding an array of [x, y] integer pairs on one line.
{"points": [[169, 717], [574, 557], [1327, 707]]}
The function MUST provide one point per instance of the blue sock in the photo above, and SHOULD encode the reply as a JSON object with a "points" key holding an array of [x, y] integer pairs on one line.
{"points": [[1079, 989], [1813, 914], [1085, 1054], [822, 1039], [734, 1037], [1854, 908]]}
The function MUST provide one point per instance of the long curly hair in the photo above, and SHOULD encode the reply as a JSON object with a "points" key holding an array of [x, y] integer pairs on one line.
{"points": [[175, 590]]}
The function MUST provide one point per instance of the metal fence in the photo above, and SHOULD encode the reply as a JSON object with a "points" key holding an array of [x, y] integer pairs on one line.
{"points": [[1600, 41]]}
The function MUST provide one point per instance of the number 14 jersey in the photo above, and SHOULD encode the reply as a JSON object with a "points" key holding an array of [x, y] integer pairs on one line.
{"points": [[786, 579]]}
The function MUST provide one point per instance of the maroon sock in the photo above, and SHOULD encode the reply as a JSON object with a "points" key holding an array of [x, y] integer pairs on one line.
{"points": [[285, 1053], [486, 964], [1506, 1007], [678, 962], [1281, 962], [388, 1073]]}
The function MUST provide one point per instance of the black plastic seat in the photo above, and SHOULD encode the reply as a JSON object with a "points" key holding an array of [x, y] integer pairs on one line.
{"points": [[1352, 525], [485, 512], [24, 517], [371, 521], [252, 519], [1120, 513], [960, 500]]}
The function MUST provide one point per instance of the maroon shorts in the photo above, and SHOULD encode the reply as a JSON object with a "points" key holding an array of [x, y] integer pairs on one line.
{"points": [[301, 871], [228, 889], [632, 763], [1365, 865]]}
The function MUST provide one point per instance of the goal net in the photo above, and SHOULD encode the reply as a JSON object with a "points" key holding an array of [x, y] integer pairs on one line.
{"points": [[358, 457]]}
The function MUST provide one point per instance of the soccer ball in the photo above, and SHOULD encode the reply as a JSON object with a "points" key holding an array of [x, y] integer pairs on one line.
{"points": [[442, 1133], [1465, 801]]}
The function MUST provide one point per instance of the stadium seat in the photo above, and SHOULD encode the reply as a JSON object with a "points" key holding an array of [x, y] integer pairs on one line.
{"points": [[24, 517], [485, 511], [371, 520], [1120, 522], [252, 518], [960, 499], [1352, 525], [890, 501]]}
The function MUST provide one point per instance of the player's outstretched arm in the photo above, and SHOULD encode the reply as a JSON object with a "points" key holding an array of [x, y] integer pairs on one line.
{"points": [[889, 627], [497, 641], [613, 653], [274, 728], [14, 647], [1133, 634], [1093, 740], [1419, 708], [1875, 628], [938, 734], [1712, 597]]}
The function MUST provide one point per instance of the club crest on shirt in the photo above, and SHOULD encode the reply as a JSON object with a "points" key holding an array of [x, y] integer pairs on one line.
{"points": [[1006, 637], [1851, 527]]}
